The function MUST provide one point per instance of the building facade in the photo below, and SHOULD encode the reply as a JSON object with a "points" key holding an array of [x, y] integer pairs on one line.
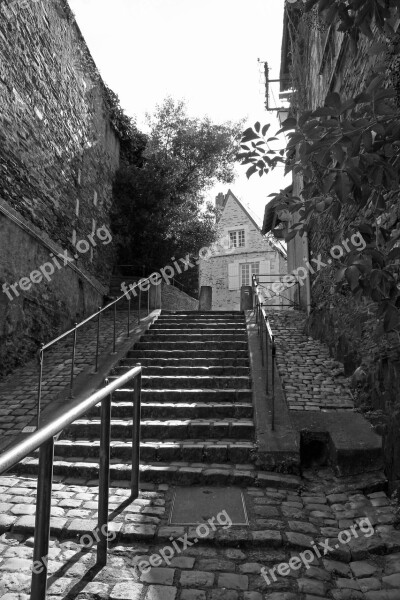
{"points": [[240, 252]]}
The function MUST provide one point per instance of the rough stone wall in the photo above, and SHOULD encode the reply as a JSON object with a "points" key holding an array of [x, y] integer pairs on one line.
{"points": [[172, 298], [58, 156], [214, 269]]}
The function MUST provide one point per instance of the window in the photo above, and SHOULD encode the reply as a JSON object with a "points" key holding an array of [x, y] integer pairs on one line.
{"points": [[236, 239], [247, 270]]}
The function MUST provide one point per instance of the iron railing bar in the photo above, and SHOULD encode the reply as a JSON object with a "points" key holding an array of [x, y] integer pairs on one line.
{"points": [[16, 453], [104, 479], [273, 386], [70, 331], [136, 436], [97, 343], [42, 520], [39, 394], [115, 328], [129, 317], [71, 383]]}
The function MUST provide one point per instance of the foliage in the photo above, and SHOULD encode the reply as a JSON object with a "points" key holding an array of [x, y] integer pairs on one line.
{"points": [[132, 141], [347, 154], [358, 16], [161, 212]]}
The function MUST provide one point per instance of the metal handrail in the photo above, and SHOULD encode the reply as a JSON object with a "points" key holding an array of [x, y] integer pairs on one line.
{"points": [[264, 329], [295, 283], [43, 438], [74, 332]]}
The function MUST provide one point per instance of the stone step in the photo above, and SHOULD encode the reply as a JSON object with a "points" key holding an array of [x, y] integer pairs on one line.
{"points": [[186, 370], [157, 361], [176, 353], [166, 430], [181, 410], [208, 451], [179, 473], [199, 395], [204, 313], [156, 336], [199, 381], [206, 325], [147, 344]]}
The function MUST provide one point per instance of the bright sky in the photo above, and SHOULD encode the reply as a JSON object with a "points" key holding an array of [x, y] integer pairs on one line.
{"points": [[203, 51]]}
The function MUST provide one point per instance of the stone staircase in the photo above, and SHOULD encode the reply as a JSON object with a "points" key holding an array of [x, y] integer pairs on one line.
{"points": [[197, 411]]}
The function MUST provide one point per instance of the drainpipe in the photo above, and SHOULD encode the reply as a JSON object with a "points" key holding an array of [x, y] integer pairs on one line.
{"points": [[308, 286]]}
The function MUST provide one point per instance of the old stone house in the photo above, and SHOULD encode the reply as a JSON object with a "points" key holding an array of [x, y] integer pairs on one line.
{"points": [[240, 252]]}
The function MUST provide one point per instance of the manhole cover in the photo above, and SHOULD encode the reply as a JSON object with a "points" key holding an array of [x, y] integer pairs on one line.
{"points": [[194, 505]]}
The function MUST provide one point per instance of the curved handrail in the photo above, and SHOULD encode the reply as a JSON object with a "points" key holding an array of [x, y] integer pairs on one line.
{"points": [[43, 438], [17, 452], [264, 325]]}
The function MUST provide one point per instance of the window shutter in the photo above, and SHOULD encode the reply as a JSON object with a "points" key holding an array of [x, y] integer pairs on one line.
{"points": [[233, 276], [275, 265]]}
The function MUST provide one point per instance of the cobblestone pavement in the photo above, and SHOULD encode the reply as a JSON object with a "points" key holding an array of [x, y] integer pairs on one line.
{"points": [[312, 380], [354, 531], [18, 391]]}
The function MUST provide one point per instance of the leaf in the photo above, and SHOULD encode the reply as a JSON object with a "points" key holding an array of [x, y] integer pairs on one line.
{"points": [[340, 275], [382, 108], [375, 278], [377, 48], [257, 126], [323, 4], [333, 100], [366, 228], [394, 254], [392, 318], [251, 171], [289, 123], [352, 275], [338, 153], [265, 129], [249, 135], [386, 93], [295, 139], [375, 83], [289, 236]]}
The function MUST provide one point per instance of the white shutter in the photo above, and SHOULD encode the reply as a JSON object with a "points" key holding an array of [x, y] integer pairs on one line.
{"points": [[275, 265], [233, 276]]}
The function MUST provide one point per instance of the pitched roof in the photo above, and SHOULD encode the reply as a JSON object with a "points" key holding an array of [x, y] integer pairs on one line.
{"points": [[256, 222]]}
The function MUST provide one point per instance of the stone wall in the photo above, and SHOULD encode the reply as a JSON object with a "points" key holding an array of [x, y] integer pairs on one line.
{"points": [[172, 298], [58, 157], [336, 318]]}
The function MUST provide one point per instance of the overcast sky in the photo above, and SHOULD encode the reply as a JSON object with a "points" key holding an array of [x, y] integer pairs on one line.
{"points": [[203, 51]]}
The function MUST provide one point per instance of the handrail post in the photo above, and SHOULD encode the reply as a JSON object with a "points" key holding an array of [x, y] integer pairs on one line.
{"points": [[115, 328], [71, 385], [97, 342], [148, 302], [273, 386], [39, 396], [42, 521], [140, 300], [104, 479], [136, 435], [267, 353], [129, 316]]}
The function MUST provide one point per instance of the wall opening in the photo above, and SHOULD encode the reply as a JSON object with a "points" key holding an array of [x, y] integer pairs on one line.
{"points": [[314, 449]]}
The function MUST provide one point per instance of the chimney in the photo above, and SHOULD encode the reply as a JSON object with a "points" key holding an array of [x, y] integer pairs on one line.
{"points": [[220, 201]]}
